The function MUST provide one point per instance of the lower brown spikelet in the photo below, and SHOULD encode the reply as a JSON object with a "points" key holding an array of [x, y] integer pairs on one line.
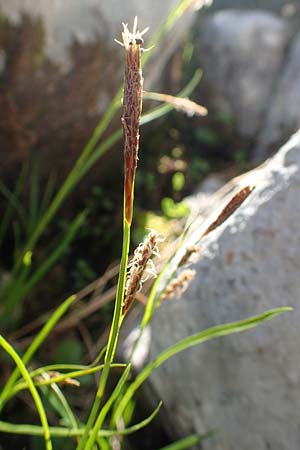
{"points": [[229, 209], [191, 255], [46, 376], [179, 284]]}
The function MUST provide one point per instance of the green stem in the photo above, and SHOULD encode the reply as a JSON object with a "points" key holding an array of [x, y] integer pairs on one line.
{"points": [[113, 336], [105, 409]]}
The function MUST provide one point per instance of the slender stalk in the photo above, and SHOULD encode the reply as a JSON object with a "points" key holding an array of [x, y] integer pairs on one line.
{"points": [[131, 116], [105, 409], [113, 336]]}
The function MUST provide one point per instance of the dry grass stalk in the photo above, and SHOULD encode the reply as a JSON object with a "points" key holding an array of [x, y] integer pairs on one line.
{"points": [[140, 268], [53, 374], [229, 209], [179, 284], [190, 256], [180, 104]]}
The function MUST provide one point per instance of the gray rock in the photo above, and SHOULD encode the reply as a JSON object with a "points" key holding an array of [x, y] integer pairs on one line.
{"points": [[284, 111], [241, 54], [247, 386], [60, 69], [93, 20], [279, 6]]}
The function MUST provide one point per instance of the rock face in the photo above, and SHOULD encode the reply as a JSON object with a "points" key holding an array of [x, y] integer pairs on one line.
{"points": [[278, 6], [86, 22], [283, 116], [241, 53], [251, 74], [60, 68], [246, 386]]}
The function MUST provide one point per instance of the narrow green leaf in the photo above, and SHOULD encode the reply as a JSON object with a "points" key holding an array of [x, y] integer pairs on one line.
{"points": [[48, 193], [141, 424], [38, 403], [60, 405], [7, 216], [189, 441], [13, 200], [196, 339], [33, 210], [35, 345], [175, 14], [184, 443], [53, 257], [81, 371], [105, 409], [103, 444], [35, 430], [113, 336]]}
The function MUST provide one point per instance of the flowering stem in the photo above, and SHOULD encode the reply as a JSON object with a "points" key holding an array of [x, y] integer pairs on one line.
{"points": [[131, 115], [111, 346]]}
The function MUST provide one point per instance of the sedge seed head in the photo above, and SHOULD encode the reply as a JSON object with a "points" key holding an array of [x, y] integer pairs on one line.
{"points": [[132, 109]]}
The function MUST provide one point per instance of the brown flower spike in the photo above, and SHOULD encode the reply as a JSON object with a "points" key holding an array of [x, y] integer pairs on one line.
{"points": [[179, 284], [229, 209], [132, 108]]}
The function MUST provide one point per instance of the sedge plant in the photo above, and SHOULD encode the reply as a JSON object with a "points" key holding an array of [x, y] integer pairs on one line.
{"points": [[92, 432]]}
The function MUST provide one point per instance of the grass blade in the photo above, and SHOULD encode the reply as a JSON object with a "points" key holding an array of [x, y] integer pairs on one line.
{"points": [[54, 256], [48, 192], [13, 201], [113, 336], [191, 341], [35, 430], [37, 342], [77, 371], [5, 221], [38, 403], [187, 442], [33, 210], [59, 404], [105, 409]]}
